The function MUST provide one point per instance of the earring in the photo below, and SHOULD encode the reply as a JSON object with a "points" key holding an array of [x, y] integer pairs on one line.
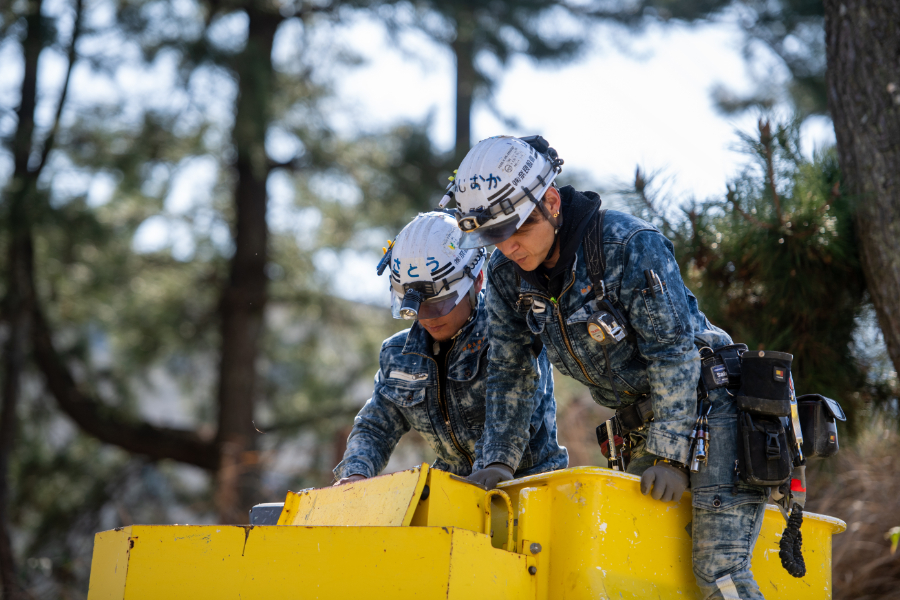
{"points": [[555, 215]]}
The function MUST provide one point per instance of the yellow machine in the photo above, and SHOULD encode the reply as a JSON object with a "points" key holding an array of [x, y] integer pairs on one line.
{"points": [[572, 534]]}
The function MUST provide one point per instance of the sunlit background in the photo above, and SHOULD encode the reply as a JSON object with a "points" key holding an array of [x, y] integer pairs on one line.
{"points": [[341, 121]]}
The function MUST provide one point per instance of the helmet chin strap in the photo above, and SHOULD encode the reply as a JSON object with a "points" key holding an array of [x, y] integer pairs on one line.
{"points": [[553, 245]]}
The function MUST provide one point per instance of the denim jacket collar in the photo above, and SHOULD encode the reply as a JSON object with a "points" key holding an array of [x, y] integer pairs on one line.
{"points": [[527, 287]]}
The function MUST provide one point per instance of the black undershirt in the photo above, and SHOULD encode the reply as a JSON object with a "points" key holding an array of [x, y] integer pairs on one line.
{"points": [[577, 209]]}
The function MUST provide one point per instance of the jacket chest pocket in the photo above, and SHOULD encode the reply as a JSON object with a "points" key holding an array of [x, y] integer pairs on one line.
{"points": [[625, 364], [661, 312], [469, 387], [410, 401], [404, 394]]}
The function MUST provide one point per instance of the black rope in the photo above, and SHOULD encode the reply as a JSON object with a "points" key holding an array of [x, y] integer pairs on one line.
{"points": [[791, 541]]}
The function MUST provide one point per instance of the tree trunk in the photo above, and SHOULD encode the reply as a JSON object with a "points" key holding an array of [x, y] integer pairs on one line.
{"points": [[244, 297], [862, 39], [18, 295], [466, 79]]}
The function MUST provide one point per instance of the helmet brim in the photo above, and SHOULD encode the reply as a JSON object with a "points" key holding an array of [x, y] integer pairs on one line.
{"points": [[492, 234]]}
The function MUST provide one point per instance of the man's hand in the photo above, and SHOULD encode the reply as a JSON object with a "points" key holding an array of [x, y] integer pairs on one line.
{"points": [[349, 479], [491, 475], [668, 482]]}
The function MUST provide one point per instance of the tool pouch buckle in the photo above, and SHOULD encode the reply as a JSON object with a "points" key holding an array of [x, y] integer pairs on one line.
{"points": [[764, 455]]}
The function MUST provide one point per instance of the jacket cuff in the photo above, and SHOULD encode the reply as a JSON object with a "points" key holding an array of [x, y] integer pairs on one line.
{"points": [[507, 454], [353, 466], [669, 445]]}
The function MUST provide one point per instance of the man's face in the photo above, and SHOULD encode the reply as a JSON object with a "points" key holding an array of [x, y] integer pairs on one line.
{"points": [[529, 246], [444, 328]]}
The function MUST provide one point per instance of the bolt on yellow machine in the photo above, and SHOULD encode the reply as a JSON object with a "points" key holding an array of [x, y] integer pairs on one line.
{"points": [[573, 534]]}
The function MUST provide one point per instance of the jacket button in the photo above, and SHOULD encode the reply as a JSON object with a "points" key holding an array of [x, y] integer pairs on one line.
{"points": [[717, 502], [468, 373], [409, 397]]}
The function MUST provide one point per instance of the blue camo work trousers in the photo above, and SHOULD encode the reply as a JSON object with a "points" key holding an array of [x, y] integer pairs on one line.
{"points": [[725, 524]]}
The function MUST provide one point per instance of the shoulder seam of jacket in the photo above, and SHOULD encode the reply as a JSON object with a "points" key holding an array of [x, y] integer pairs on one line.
{"points": [[395, 341], [631, 235]]}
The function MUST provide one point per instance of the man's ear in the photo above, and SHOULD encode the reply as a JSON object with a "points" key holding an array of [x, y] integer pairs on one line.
{"points": [[479, 281], [552, 200]]}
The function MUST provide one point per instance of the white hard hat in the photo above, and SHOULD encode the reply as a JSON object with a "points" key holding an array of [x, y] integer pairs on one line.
{"points": [[498, 184], [430, 273]]}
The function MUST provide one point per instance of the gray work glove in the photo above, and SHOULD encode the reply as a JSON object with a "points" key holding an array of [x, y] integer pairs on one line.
{"points": [[668, 482], [491, 475], [349, 479]]}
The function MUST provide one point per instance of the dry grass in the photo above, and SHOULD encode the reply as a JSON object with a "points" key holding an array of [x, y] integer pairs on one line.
{"points": [[861, 485]]}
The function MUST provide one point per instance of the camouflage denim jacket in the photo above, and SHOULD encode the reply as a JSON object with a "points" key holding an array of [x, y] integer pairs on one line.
{"points": [[660, 358], [407, 396]]}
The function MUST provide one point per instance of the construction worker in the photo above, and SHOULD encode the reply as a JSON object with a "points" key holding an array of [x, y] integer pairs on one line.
{"points": [[603, 293], [433, 375]]}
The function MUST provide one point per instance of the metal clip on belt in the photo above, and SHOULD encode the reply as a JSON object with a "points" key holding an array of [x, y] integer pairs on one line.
{"points": [[722, 367]]}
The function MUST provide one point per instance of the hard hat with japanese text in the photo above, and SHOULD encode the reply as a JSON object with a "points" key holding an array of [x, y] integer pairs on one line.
{"points": [[430, 272], [499, 182]]}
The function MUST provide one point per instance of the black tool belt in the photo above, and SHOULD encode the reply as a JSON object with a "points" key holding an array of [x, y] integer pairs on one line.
{"points": [[721, 368]]}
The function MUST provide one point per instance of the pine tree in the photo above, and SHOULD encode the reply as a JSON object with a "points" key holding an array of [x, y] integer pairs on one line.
{"points": [[776, 263]]}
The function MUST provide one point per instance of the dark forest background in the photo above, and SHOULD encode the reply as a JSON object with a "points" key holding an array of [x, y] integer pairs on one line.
{"points": [[184, 385]]}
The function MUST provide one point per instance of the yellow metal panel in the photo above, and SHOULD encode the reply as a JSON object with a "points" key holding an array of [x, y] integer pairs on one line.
{"points": [[599, 538], [388, 500], [477, 570], [504, 515], [451, 502], [109, 565], [261, 563], [607, 540], [773, 580], [534, 527]]}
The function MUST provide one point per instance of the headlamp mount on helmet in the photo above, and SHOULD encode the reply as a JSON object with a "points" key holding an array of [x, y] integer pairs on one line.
{"points": [[412, 302], [422, 300]]}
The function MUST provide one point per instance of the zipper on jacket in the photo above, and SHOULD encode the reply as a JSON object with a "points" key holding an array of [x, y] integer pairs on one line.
{"points": [[562, 327], [445, 410]]}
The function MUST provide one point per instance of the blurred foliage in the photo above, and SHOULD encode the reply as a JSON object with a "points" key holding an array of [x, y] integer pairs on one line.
{"points": [[775, 263], [133, 224], [483, 37], [859, 486]]}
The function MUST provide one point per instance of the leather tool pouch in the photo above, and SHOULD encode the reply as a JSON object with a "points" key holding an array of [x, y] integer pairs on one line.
{"points": [[763, 457], [818, 421]]}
